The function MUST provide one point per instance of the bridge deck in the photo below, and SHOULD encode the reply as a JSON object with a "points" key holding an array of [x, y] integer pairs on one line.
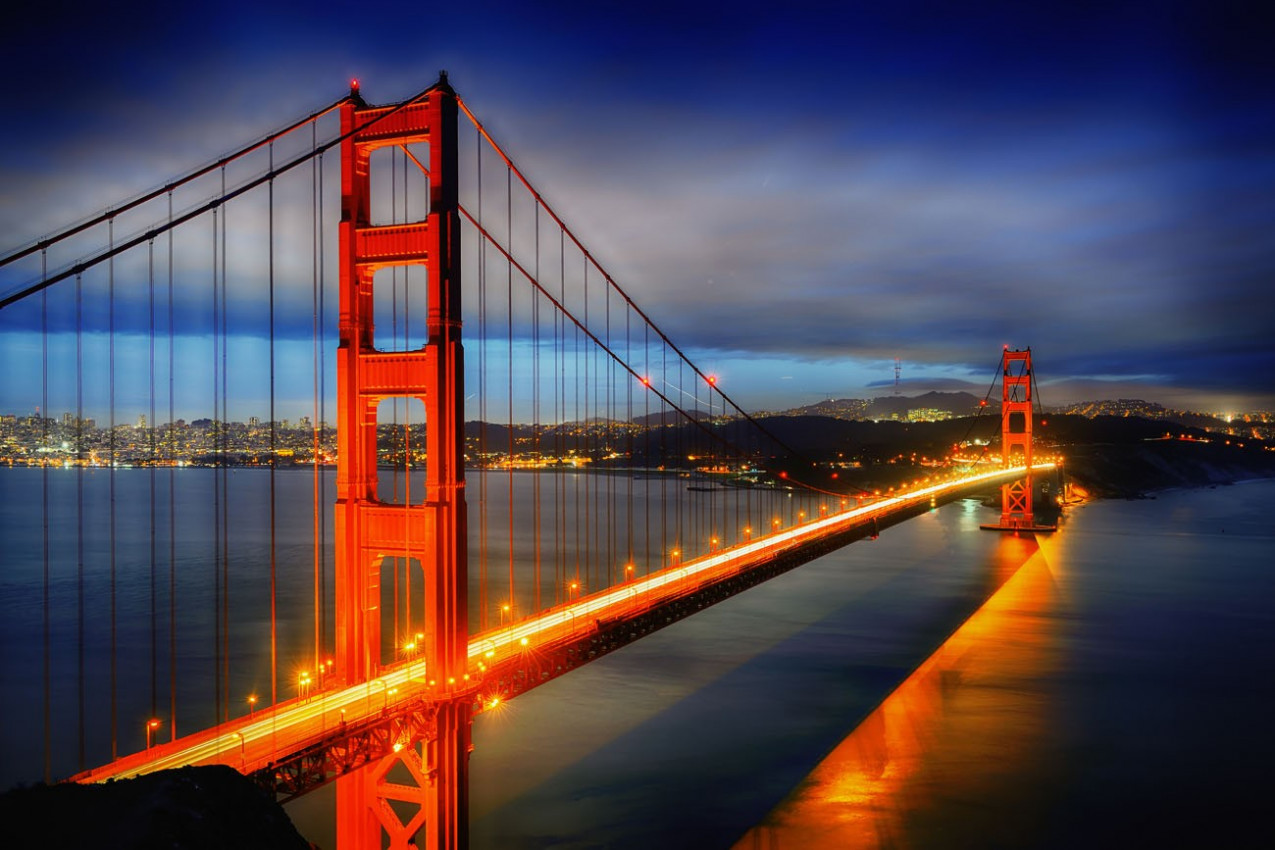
{"points": [[273, 735]]}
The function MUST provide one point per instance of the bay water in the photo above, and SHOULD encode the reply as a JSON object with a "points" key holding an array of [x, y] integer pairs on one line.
{"points": [[941, 686]]}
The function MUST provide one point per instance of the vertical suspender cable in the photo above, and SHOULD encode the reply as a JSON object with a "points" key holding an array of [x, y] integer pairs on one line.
{"points": [[483, 602], [610, 447], [409, 461], [79, 511], [150, 475], [320, 581], [403, 215], [44, 512], [316, 408], [581, 442], [511, 600], [590, 564], [628, 440], [535, 405], [700, 512], [663, 479], [394, 475], [559, 415], [110, 295], [407, 426], [216, 494], [224, 468], [172, 492], [274, 443], [648, 462]]}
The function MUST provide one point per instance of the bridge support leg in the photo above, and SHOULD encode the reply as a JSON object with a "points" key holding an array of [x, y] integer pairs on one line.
{"points": [[356, 825], [420, 792]]}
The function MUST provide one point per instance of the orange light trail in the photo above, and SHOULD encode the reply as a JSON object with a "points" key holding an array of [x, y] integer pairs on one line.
{"points": [[252, 742]]}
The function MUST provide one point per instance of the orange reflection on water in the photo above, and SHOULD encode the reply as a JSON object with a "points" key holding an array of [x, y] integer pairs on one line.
{"points": [[940, 761]]}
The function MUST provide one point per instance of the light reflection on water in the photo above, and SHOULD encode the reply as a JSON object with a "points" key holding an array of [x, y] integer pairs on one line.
{"points": [[962, 724], [1117, 693], [687, 737]]}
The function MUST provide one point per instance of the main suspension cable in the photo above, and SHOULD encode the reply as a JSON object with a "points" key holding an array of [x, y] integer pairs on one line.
{"points": [[45, 242], [210, 206], [611, 280]]}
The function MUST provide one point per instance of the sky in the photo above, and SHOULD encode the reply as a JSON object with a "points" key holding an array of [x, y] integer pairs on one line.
{"points": [[797, 193]]}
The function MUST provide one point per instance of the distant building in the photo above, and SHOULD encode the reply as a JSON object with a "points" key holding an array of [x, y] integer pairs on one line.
{"points": [[928, 414]]}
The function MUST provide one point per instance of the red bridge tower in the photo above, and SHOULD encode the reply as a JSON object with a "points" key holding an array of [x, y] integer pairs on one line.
{"points": [[1016, 442], [429, 535]]}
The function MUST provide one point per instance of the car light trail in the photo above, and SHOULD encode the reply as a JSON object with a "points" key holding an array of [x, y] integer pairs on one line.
{"points": [[305, 720]]}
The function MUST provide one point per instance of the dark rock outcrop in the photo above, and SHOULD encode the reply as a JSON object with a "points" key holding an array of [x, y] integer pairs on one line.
{"points": [[192, 808]]}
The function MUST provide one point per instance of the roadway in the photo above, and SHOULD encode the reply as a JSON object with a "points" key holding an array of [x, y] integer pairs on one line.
{"points": [[269, 734]]}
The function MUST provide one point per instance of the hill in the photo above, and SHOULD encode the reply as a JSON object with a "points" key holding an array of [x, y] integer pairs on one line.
{"points": [[887, 407]]}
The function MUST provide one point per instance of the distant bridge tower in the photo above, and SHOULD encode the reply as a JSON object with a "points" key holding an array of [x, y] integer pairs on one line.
{"points": [[1016, 442], [428, 535]]}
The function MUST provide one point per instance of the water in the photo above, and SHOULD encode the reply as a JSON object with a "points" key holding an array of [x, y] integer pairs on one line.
{"points": [[1115, 692], [1113, 687], [133, 553]]}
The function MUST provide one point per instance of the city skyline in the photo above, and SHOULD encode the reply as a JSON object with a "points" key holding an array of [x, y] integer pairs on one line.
{"points": [[798, 201]]}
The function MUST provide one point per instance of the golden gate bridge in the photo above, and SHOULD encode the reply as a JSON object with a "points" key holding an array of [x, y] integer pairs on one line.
{"points": [[442, 578]]}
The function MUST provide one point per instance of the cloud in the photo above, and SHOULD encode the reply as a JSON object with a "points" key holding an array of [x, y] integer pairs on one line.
{"points": [[927, 186]]}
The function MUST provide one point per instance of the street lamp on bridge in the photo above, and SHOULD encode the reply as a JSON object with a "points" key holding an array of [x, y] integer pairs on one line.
{"points": [[151, 726]]}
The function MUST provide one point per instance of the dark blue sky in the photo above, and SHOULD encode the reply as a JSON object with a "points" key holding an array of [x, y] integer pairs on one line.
{"points": [[799, 192]]}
